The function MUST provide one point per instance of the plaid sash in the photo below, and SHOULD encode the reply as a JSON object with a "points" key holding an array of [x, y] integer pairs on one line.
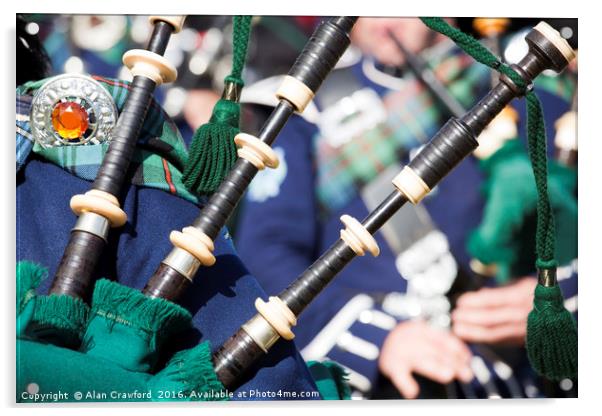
{"points": [[158, 160]]}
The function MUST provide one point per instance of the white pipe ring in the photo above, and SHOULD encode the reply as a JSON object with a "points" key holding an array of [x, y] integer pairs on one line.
{"points": [[177, 22], [197, 243], [295, 92], [356, 236], [278, 315], [101, 203], [411, 185], [255, 151], [150, 65]]}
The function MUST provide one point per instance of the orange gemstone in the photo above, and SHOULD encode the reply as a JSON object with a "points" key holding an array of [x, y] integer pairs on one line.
{"points": [[70, 120]]}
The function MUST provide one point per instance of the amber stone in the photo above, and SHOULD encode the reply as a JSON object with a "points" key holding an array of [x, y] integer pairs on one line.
{"points": [[70, 120]]}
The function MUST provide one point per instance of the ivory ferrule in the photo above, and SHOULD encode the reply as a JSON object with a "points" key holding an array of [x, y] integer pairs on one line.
{"points": [[295, 92], [411, 185]]}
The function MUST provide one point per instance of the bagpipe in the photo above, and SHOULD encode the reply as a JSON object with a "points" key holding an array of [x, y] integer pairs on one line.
{"points": [[494, 253], [550, 325], [503, 162], [130, 326], [120, 334], [503, 243], [194, 244], [98, 210]]}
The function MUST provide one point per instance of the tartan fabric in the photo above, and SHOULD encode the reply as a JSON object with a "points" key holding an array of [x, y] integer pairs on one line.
{"points": [[24, 137], [158, 160], [413, 117]]}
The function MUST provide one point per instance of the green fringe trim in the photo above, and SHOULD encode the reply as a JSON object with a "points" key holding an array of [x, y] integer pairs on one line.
{"points": [[63, 314], [552, 335], [326, 373], [193, 369], [127, 306], [29, 275]]}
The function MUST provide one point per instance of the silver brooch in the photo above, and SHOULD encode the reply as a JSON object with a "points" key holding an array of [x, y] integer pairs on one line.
{"points": [[72, 110]]}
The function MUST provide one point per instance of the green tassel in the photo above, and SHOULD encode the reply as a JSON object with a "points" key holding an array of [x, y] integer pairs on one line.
{"points": [[212, 151], [552, 335], [191, 373], [59, 320]]}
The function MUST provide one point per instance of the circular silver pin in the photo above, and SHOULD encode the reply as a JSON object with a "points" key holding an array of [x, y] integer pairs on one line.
{"points": [[72, 110]]}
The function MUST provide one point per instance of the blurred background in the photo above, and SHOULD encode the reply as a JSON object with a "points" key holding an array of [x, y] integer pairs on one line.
{"points": [[201, 52]]}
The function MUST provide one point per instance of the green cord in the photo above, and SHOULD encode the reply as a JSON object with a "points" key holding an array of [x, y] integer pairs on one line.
{"points": [[241, 29], [536, 134], [551, 339], [212, 151]]}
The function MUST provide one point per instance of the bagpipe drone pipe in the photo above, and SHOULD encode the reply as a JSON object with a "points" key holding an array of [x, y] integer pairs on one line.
{"points": [[551, 339], [114, 345], [502, 245]]}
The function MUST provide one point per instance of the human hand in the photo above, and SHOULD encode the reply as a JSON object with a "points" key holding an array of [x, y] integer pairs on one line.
{"points": [[495, 315], [416, 347]]}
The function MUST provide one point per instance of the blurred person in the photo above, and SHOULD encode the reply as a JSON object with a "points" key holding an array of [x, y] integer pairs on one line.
{"points": [[388, 320]]}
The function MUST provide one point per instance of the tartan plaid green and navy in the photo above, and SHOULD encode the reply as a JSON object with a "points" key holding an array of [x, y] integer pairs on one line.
{"points": [[157, 162], [413, 117]]}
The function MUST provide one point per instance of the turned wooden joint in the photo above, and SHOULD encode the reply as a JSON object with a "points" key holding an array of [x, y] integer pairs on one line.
{"points": [[256, 151], [556, 39], [278, 315], [195, 242], [357, 237], [177, 22], [150, 65], [295, 92], [411, 185], [101, 203]]}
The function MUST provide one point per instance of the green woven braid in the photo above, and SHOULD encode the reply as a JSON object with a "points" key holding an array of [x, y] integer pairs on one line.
{"points": [[551, 329], [212, 151]]}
